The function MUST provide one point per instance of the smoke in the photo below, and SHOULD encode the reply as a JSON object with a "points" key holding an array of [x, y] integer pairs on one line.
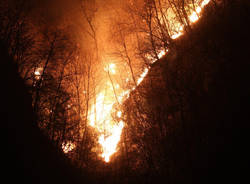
{"points": [[68, 15], [53, 13]]}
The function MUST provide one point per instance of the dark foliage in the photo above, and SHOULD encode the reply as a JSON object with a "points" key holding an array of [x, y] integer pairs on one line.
{"points": [[28, 156], [197, 104]]}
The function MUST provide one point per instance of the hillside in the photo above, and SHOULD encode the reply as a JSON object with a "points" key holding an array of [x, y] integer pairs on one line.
{"points": [[28, 156], [191, 111]]}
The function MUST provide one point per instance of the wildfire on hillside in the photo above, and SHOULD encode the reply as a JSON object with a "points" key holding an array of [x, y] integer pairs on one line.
{"points": [[100, 116]]}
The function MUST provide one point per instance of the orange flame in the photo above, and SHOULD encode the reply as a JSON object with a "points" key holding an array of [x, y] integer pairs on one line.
{"points": [[68, 146], [193, 17], [38, 73], [109, 144], [100, 112], [101, 119]]}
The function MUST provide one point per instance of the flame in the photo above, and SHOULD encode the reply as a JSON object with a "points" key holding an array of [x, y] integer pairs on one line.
{"points": [[124, 95], [109, 144], [110, 68], [38, 73], [68, 146], [204, 3], [143, 75], [100, 115], [162, 53], [178, 33], [193, 17], [101, 119], [100, 112], [119, 114]]}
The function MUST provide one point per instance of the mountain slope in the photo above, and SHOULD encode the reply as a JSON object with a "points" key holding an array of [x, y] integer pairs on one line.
{"points": [[196, 100]]}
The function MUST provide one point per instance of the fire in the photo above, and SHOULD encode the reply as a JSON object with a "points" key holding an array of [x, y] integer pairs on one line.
{"points": [[100, 115], [119, 114], [162, 53], [178, 33], [101, 119], [195, 14], [100, 112], [109, 143], [68, 146], [123, 95], [193, 17], [204, 3], [38, 72], [110, 68], [143, 75]]}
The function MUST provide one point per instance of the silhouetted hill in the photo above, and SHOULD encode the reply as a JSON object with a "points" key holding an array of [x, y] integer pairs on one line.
{"points": [[198, 97], [28, 156]]}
